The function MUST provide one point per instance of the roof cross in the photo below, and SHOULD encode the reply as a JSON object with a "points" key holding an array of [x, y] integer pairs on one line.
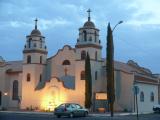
{"points": [[36, 20], [89, 11]]}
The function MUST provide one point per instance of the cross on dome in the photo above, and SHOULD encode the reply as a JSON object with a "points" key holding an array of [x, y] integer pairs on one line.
{"points": [[36, 20], [89, 11]]}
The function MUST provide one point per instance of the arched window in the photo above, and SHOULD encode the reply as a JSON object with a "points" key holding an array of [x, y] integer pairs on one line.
{"points": [[40, 78], [82, 75], [41, 44], [15, 90], [96, 55], [90, 38], [29, 42], [85, 35], [0, 98], [95, 36], [66, 62], [35, 45], [40, 59], [96, 75], [83, 55], [28, 59], [28, 77], [152, 97], [142, 97]]}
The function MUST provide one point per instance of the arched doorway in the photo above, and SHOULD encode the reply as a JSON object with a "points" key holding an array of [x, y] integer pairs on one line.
{"points": [[52, 98], [0, 98], [55, 92]]}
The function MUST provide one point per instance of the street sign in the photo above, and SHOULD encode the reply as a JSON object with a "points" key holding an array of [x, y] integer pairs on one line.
{"points": [[135, 90]]}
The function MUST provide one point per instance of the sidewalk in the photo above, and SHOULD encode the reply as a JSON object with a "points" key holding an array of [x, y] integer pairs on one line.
{"points": [[51, 113]]}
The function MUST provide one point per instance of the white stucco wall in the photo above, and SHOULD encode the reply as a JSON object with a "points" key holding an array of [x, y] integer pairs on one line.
{"points": [[147, 105]]}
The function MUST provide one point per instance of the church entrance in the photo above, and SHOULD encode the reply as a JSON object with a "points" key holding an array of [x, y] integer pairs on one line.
{"points": [[54, 100], [0, 98]]}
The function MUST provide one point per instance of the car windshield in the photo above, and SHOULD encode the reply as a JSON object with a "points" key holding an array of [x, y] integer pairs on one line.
{"points": [[61, 106], [64, 105], [78, 106]]}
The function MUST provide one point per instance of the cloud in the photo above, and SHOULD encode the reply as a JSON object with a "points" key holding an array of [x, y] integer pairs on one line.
{"points": [[57, 22], [145, 12]]}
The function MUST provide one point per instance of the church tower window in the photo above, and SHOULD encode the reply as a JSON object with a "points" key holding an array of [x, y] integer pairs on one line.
{"points": [[29, 42], [66, 62], [85, 35], [28, 77], [35, 45], [142, 97], [28, 59], [90, 38], [15, 90], [40, 59], [41, 44], [96, 55], [82, 75], [95, 36], [83, 55]]}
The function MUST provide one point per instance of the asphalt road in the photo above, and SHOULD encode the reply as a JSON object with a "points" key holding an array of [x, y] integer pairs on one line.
{"points": [[15, 116]]}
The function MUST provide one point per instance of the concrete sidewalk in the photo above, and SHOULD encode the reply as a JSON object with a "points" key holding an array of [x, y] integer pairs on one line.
{"points": [[51, 113]]}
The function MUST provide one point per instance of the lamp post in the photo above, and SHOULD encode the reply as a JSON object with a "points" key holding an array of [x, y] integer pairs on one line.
{"points": [[110, 67], [120, 22], [5, 101]]}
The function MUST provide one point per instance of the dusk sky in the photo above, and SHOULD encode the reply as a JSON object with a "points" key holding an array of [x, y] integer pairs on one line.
{"points": [[138, 38]]}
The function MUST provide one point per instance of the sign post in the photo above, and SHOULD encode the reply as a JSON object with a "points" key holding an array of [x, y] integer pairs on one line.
{"points": [[136, 91]]}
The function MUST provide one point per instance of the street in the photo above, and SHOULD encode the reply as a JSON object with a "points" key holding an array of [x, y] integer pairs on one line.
{"points": [[15, 116]]}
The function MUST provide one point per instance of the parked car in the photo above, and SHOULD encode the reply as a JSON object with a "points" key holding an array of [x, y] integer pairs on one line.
{"points": [[156, 108], [70, 110]]}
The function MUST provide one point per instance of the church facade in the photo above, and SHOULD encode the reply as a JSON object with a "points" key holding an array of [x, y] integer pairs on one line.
{"points": [[40, 82]]}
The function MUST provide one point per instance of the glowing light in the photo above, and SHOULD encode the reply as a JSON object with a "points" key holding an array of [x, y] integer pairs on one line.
{"points": [[50, 101], [5, 93], [101, 96]]}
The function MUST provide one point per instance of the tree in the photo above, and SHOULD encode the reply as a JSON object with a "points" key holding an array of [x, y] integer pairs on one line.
{"points": [[110, 70], [88, 83]]}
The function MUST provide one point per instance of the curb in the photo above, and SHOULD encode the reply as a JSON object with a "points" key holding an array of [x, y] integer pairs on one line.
{"points": [[91, 114], [21, 112]]}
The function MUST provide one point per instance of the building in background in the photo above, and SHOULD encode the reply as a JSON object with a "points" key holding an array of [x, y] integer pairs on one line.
{"points": [[42, 82]]}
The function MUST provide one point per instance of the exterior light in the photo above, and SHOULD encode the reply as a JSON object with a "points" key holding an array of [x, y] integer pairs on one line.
{"points": [[117, 24], [120, 22], [5, 93]]}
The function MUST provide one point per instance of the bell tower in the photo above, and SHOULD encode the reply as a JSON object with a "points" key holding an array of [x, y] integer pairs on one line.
{"points": [[34, 63], [88, 40], [35, 50]]}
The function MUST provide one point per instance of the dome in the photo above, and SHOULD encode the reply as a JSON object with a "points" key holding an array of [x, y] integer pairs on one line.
{"points": [[89, 24], [35, 32]]}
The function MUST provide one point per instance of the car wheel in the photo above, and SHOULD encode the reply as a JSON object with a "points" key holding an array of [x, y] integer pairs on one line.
{"points": [[58, 116], [85, 114], [71, 115]]}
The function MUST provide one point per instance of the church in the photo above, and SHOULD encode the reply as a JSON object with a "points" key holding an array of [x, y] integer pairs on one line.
{"points": [[41, 82]]}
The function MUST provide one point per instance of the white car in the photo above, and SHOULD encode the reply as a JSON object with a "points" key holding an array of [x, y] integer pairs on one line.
{"points": [[71, 110], [156, 108]]}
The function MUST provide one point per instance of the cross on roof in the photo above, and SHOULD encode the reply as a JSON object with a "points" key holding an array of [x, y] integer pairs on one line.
{"points": [[89, 11], [36, 20]]}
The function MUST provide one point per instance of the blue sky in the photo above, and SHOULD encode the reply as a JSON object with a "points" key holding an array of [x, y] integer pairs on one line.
{"points": [[137, 38]]}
